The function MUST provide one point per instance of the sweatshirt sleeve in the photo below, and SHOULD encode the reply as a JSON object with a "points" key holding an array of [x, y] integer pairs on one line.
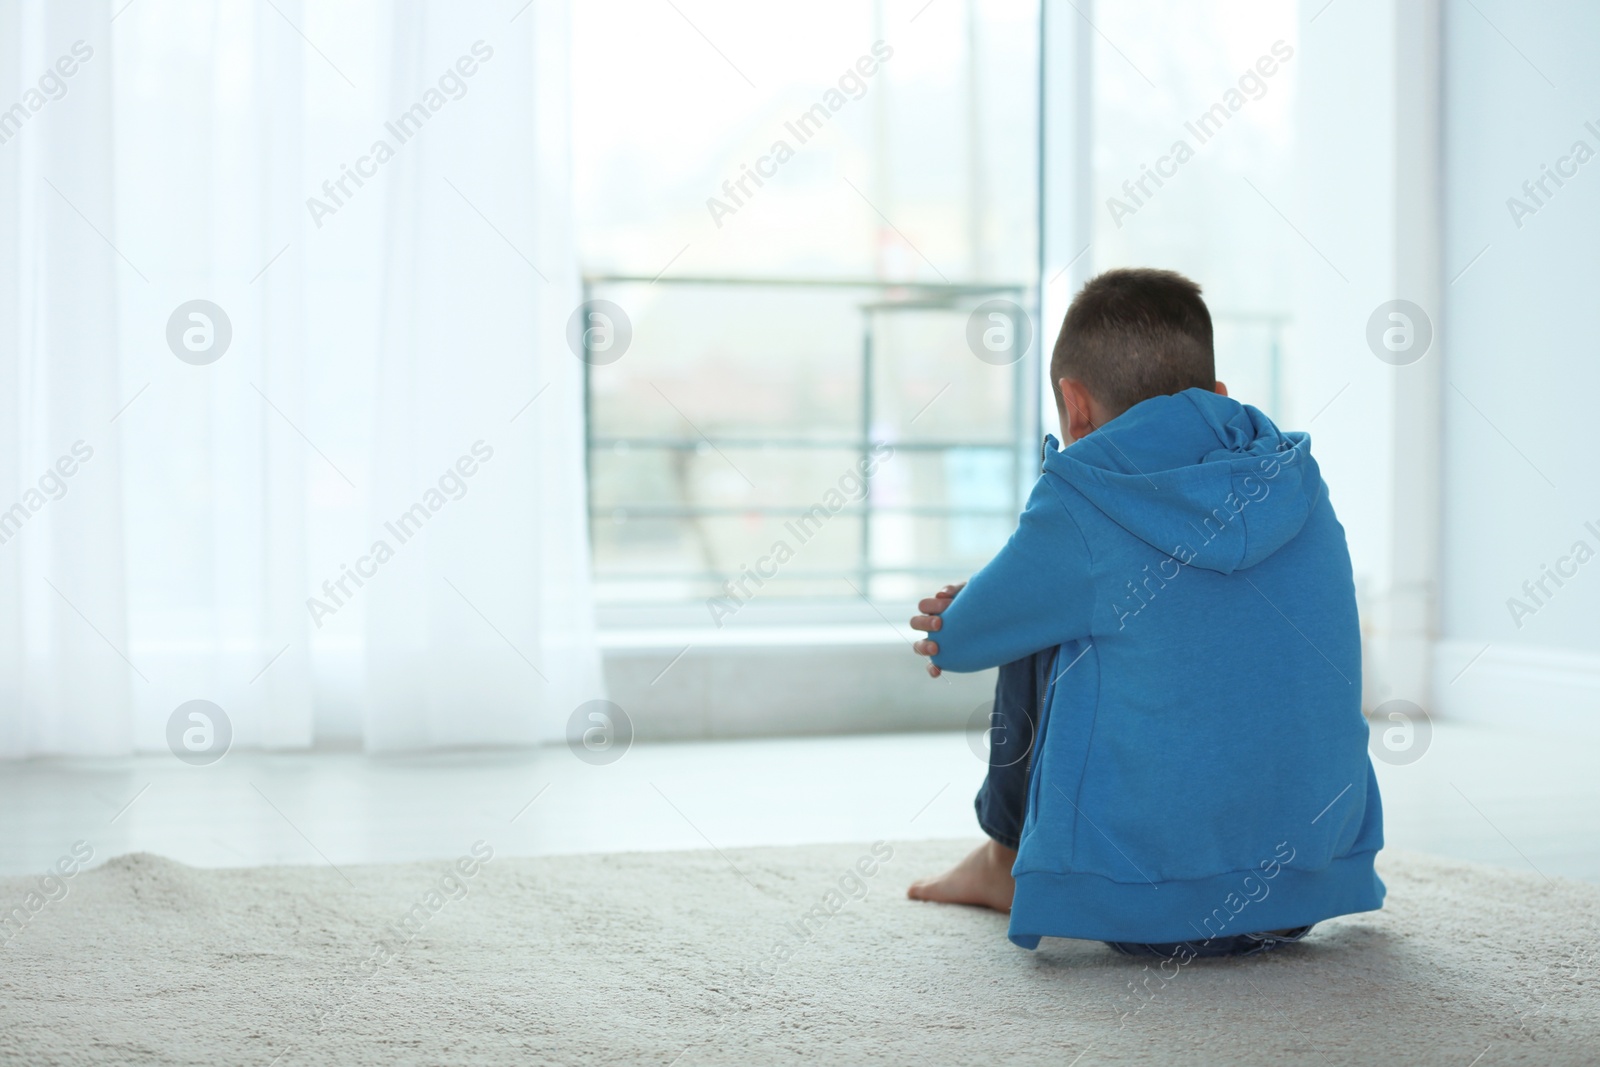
{"points": [[1035, 594]]}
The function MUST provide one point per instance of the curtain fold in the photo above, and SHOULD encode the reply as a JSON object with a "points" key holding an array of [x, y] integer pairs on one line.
{"points": [[479, 629], [384, 330], [66, 682]]}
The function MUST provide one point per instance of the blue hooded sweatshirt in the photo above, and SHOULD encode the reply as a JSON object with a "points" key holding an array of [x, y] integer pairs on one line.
{"points": [[1201, 769]]}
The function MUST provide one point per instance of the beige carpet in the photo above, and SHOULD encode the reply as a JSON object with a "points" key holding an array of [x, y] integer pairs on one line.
{"points": [[693, 958]]}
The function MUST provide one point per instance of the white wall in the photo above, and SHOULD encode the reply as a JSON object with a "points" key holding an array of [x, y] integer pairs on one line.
{"points": [[1521, 343], [1365, 211]]}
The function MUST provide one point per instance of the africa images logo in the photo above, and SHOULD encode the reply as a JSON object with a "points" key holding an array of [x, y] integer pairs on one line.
{"points": [[199, 732]]}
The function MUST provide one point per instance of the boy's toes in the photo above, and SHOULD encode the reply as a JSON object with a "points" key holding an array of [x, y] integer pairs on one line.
{"points": [[982, 879]]}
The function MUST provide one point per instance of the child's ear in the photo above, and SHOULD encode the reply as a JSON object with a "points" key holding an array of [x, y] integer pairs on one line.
{"points": [[1221, 390], [1077, 406]]}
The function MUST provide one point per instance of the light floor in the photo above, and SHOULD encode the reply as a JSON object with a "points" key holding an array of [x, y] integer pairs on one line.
{"points": [[1515, 798]]}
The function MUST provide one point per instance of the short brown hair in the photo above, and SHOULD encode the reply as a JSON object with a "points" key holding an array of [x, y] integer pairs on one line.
{"points": [[1132, 334]]}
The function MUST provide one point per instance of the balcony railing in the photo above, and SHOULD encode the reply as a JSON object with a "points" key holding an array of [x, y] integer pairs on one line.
{"points": [[937, 521]]}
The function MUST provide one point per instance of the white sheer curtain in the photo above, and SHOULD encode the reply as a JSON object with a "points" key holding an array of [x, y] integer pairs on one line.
{"points": [[62, 560], [487, 617], [387, 329]]}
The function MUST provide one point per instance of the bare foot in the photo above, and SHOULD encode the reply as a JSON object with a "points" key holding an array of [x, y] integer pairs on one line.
{"points": [[983, 878]]}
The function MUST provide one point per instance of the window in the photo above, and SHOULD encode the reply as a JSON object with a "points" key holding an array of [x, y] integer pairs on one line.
{"points": [[799, 227], [793, 308]]}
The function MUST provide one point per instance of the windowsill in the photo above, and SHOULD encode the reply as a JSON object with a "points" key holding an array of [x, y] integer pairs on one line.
{"points": [[777, 668], [798, 637], [755, 623]]}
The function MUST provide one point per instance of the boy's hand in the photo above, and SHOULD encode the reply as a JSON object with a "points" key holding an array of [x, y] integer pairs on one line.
{"points": [[929, 622]]}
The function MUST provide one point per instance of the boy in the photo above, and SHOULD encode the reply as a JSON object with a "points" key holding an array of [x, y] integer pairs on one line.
{"points": [[1178, 760]]}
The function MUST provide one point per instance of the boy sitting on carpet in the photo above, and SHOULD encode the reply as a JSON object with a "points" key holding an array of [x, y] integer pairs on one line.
{"points": [[1178, 759]]}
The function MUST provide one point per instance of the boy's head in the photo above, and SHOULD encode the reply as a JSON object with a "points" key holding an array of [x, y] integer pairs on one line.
{"points": [[1130, 334]]}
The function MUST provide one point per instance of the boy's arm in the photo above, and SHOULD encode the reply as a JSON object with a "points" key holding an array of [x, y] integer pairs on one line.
{"points": [[1035, 594]]}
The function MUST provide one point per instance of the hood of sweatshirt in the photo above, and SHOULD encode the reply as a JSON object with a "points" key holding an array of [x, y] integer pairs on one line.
{"points": [[1198, 476]]}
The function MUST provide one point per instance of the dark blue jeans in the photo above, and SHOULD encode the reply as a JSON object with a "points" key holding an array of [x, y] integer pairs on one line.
{"points": [[1002, 803]]}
